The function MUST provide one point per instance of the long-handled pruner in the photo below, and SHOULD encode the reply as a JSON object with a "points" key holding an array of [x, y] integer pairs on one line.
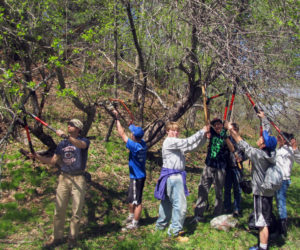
{"points": [[213, 97], [226, 105], [227, 116], [44, 123], [22, 151], [269, 119], [125, 107], [256, 110], [231, 103]]}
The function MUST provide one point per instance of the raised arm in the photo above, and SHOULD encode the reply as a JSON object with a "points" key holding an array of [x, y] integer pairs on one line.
{"points": [[191, 143], [120, 129], [265, 123], [296, 150], [230, 145], [77, 143]]}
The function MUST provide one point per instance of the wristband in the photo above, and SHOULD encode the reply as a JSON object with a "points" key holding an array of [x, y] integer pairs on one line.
{"points": [[65, 136]]}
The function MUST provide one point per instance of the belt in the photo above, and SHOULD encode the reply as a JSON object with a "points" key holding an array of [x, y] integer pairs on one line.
{"points": [[73, 173]]}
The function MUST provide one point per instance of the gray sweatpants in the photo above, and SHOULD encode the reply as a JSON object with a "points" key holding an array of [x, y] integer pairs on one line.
{"points": [[210, 176]]}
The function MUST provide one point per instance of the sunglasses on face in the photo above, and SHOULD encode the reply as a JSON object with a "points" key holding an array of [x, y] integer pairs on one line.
{"points": [[71, 124]]}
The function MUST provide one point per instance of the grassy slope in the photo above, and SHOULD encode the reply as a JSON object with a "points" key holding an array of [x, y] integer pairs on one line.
{"points": [[27, 204]]}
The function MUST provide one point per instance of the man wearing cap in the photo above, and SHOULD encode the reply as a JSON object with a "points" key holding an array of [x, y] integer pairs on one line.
{"points": [[216, 161], [71, 154], [262, 158], [137, 171]]}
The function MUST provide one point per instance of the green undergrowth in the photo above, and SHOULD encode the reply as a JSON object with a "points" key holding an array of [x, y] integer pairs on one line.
{"points": [[27, 206]]}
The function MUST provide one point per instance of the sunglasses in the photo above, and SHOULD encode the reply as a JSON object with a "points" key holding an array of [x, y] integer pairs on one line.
{"points": [[71, 124]]}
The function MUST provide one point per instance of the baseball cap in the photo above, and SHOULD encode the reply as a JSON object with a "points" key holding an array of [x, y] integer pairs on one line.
{"points": [[270, 141], [77, 123], [138, 132]]}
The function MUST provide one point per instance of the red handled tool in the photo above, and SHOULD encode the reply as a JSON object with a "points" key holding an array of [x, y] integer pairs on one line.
{"points": [[213, 97], [125, 107], [226, 105], [28, 135], [44, 123], [269, 119], [231, 103]]}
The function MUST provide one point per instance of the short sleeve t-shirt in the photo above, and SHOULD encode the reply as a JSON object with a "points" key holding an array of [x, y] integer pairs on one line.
{"points": [[218, 152], [73, 159], [137, 158]]}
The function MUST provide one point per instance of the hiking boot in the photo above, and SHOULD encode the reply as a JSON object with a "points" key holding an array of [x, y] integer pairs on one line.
{"points": [[72, 243], [52, 243]]}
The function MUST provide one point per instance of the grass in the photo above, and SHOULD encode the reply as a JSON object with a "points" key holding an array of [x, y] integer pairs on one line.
{"points": [[27, 206]]}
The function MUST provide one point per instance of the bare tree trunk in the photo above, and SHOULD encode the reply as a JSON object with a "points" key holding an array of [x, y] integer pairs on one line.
{"points": [[135, 89], [191, 117], [116, 72], [141, 63], [111, 126]]}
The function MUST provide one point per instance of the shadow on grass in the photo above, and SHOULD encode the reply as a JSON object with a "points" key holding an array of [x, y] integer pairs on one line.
{"points": [[108, 195], [194, 170], [148, 220], [93, 231], [295, 221]]}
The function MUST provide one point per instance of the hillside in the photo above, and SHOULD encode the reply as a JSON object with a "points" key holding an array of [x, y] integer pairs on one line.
{"points": [[28, 189]]}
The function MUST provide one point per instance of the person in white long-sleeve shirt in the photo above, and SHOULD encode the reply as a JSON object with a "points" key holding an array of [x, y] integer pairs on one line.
{"points": [[171, 187], [286, 155]]}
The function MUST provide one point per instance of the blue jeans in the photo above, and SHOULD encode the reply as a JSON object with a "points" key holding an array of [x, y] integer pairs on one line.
{"points": [[281, 199], [173, 207], [232, 180]]}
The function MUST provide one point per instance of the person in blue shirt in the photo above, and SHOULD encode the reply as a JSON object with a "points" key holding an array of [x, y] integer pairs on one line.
{"points": [[137, 171]]}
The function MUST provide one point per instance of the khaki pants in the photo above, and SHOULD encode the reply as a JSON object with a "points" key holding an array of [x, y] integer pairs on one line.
{"points": [[210, 176], [69, 186]]}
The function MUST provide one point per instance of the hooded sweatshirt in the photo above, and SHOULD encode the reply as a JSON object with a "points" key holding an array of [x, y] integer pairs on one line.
{"points": [[285, 157], [261, 161]]}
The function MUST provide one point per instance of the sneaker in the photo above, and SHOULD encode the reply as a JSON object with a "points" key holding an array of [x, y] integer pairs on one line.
{"points": [[72, 243], [130, 226], [197, 219], [257, 247], [128, 220], [237, 214], [52, 243]]}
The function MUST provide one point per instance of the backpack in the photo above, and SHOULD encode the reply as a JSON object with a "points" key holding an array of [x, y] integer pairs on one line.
{"points": [[273, 179]]}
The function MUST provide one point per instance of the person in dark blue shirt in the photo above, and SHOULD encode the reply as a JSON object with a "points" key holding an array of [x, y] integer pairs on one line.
{"points": [[71, 154]]}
